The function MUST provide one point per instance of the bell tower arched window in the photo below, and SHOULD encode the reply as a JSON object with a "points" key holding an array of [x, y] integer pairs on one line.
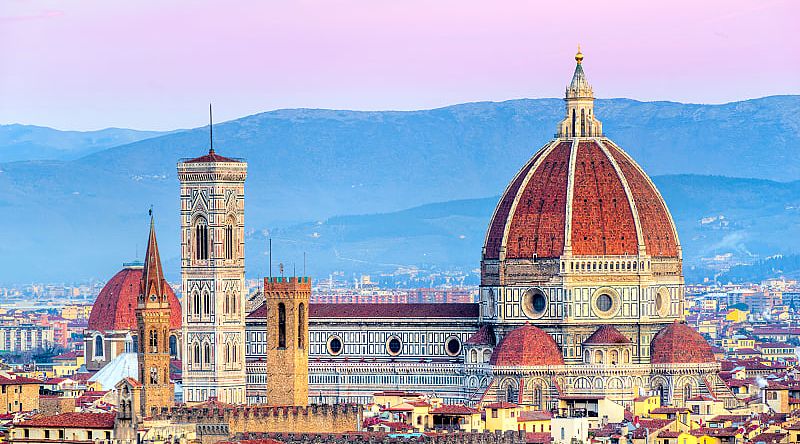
{"points": [[301, 322], [153, 341], [229, 244], [201, 239], [281, 325]]}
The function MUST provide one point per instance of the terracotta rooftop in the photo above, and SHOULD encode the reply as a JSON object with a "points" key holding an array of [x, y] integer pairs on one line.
{"points": [[679, 343], [527, 346], [534, 415], [607, 335], [454, 409], [115, 306], [484, 336], [72, 420], [530, 218], [383, 311], [212, 157], [18, 380], [380, 311]]}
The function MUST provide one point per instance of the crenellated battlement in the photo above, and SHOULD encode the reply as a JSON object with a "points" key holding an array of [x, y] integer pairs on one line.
{"points": [[286, 284], [266, 418], [379, 438]]}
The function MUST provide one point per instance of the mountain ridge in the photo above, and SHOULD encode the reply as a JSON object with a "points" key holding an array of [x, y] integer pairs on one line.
{"points": [[78, 215]]}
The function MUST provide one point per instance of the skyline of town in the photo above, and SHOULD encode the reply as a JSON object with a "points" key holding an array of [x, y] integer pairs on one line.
{"points": [[576, 270]]}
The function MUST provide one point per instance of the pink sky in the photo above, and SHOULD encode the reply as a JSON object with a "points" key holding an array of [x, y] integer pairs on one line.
{"points": [[141, 64]]}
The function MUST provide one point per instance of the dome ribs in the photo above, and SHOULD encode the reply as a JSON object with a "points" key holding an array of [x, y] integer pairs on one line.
{"points": [[602, 220], [527, 346], [494, 239], [537, 223], [115, 306], [659, 237], [679, 343]]}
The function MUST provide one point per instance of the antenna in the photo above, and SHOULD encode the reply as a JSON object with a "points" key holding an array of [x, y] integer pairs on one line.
{"points": [[210, 130]]}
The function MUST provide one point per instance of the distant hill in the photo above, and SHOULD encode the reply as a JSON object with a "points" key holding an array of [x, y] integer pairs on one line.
{"points": [[29, 142], [721, 222], [81, 218]]}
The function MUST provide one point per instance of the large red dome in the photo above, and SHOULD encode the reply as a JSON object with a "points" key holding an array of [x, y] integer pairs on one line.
{"points": [[115, 306], [679, 343], [527, 346], [583, 195]]}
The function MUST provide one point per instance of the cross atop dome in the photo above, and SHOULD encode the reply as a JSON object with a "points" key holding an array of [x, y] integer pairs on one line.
{"points": [[580, 120]]}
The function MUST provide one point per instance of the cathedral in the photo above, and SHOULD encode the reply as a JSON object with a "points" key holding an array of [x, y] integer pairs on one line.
{"points": [[581, 299]]}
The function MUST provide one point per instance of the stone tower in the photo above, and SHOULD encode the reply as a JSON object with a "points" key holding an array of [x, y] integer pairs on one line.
{"points": [[287, 339], [212, 270], [153, 323]]}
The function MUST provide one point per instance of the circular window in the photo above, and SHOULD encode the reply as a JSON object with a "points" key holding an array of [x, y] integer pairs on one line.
{"points": [[662, 301], [452, 346], [393, 346], [534, 303], [334, 345], [605, 302]]}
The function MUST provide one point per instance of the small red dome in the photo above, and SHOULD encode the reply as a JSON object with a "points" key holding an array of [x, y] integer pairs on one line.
{"points": [[115, 306], [678, 343], [527, 346], [615, 209], [606, 335]]}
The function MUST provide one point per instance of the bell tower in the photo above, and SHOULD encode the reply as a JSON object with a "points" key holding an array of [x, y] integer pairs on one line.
{"points": [[287, 339], [152, 321], [212, 271]]}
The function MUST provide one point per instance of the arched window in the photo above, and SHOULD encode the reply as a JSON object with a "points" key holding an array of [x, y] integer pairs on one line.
{"points": [[234, 353], [537, 397], [196, 303], [301, 322], [229, 238], [226, 307], [511, 393], [281, 325], [153, 341], [98, 346], [487, 355], [687, 392], [598, 357], [473, 356], [626, 357], [173, 346], [207, 354], [227, 353], [206, 303], [201, 239], [614, 357], [197, 353]]}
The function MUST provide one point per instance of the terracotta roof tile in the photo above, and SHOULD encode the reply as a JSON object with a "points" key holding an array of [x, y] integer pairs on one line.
{"points": [[679, 343], [379, 311], [73, 420], [212, 157], [115, 306], [607, 334], [527, 346], [484, 336]]}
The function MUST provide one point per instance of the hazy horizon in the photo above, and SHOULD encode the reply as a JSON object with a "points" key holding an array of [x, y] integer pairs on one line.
{"points": [[154, 66]]}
